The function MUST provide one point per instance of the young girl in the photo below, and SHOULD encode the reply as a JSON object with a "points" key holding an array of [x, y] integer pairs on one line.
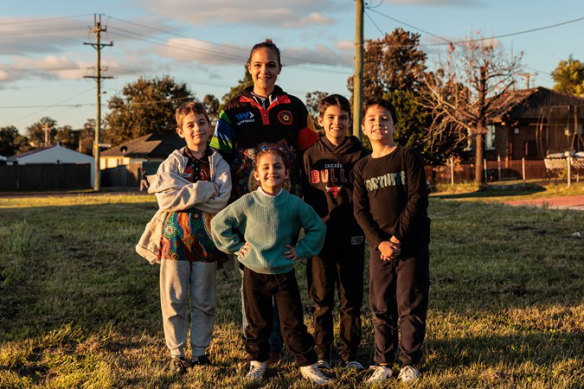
{"points": [[328, 166], [263, 227], [191, 185]]}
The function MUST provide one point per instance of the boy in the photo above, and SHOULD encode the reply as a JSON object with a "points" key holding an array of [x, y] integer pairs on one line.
{"points": [[390, 203], [328, 166], [263, 227], [191, 185]]}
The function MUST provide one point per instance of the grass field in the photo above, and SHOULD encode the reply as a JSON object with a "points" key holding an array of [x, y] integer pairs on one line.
{"points": [[79, 309]]}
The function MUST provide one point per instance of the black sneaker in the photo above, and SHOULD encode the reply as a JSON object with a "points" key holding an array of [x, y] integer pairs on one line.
{"points": [[202, 360], [178, 365]]}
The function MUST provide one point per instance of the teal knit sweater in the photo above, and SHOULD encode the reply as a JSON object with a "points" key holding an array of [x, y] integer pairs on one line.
{"points": [[267, 223]]}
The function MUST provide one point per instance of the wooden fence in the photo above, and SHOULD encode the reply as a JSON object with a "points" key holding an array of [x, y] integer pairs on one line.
{"points": [[45, 176]]}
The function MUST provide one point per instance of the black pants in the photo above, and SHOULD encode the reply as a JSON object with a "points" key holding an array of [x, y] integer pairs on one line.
{"points": [[342, 269], [399, 290], [258, 290]]}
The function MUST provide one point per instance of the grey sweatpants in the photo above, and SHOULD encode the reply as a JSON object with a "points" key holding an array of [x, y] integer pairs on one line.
{"points": [[179, 281]]}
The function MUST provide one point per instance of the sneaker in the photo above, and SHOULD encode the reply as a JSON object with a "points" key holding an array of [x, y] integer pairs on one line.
{"points": [[408, 374], [201, 360], [380, 374], [178, 365], [256, 370], [314, 375], [354, 365], [323, 364]]}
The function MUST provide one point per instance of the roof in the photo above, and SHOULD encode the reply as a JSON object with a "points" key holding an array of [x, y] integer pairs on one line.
{"points": [[30, 152], [147, 146], [531, 103]]}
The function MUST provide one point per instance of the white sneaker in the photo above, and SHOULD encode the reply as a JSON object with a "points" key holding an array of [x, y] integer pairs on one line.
{"points": [[323, 364], [355, 366], [408, 374], [256, 370], [380, 374], [314, 375]]}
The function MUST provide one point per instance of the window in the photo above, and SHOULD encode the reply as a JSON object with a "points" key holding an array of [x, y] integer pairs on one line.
{"points": [[490, 138]]}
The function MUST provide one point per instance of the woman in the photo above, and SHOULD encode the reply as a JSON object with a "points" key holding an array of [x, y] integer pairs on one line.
{"points": [[263, 116]]}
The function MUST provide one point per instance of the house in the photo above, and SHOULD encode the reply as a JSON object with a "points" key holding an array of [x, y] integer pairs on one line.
{"points": [[539, 122], [120, 165], [3, 160], [56, 154]]}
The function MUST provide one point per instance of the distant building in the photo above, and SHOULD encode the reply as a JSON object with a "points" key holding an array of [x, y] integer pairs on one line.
{"points": [[53, 155], [121, 165], [539, 122], [3, 160]]}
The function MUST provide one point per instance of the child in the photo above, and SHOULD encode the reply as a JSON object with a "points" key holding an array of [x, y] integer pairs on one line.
{"points": [[390, 202], [262, 227], [329, 166], [191, 185]]}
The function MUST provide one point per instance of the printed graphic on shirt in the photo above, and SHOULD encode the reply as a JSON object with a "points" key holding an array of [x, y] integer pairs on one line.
{"points": [[330, 173], [357, 240], [285, 117], [244, 117], [389, 179]]}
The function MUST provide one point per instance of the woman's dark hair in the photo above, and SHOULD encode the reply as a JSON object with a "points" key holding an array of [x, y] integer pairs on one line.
{"points": [[382, 103], [267, 44]]}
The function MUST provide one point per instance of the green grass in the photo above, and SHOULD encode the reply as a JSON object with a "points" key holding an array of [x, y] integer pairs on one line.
{"points": [[80, 309]]}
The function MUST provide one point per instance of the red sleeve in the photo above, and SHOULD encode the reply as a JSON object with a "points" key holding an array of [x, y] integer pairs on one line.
{"points": [[307, 136]]}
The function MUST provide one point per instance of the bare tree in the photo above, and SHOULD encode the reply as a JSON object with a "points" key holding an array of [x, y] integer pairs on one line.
{"points": [[468, 89]]}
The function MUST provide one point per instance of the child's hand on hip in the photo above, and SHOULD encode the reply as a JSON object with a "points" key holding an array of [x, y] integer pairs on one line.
{"points": [[290, 253], [244, 250]]}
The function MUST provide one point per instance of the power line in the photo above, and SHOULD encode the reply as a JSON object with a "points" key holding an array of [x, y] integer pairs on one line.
{"points": [[43, 20]]}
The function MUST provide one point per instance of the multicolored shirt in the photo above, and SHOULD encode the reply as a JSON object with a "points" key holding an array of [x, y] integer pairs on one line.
{"points": [[249, 123], [186, 234]]}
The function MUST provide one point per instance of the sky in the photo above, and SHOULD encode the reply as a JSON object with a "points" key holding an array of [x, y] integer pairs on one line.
{"points": [[205, 44]]}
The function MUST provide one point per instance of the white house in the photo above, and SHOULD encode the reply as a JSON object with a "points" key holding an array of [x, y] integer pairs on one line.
{"points": [[54, 154]]}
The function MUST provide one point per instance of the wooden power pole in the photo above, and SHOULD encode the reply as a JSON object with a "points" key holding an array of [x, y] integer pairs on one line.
{"points": [[97, 30], [358, 76]]}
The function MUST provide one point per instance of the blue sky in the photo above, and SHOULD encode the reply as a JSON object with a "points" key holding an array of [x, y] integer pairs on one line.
{"points": [[206, 43]]}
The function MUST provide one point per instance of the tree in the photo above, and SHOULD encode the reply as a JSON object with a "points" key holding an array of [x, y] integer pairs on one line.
{"points": [[468, 90], [36, 132], [211, 104], [312, 102], [67, 137], [87, 137], [569, 77], [145, 107], [237, 89], [8, 135]]}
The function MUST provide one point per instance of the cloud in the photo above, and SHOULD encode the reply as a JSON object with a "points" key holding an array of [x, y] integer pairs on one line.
{"points": [[189, 50], [319, 55], [281, 13], [439, 3]]}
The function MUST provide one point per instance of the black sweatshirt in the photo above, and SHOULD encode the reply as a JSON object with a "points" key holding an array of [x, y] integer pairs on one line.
{"points": [[391, 198], [328, 187]]}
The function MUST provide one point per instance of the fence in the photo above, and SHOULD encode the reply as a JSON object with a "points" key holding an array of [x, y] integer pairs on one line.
{"points": [[45, 176], [496, 171]]}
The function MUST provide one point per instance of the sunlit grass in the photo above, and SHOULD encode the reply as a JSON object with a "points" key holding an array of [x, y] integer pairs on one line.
{"points": [[80, 309]]}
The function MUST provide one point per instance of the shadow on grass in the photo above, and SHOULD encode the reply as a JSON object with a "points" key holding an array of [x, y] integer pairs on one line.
{"points": [[494, 191], [538, 348]]}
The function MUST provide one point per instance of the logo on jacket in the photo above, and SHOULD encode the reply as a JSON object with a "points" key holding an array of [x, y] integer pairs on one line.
{"points": [[333, 190], [244, 117], [285, 117]]}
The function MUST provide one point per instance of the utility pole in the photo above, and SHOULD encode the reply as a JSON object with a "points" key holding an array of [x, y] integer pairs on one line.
{"points": [[358, 76], [46, 129], [97, 30]]}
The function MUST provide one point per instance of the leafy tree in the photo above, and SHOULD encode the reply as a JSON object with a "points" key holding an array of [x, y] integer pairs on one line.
{"points": [[36, 132], [68, 137], [8, 135], [569, 77], [87, 137], [468, 90], [145, 107], [237, 89], [312, 102], [211, 104]]}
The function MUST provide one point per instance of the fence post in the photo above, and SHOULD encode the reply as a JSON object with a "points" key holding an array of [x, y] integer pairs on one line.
{"points": [[485, 170], [499, 165], [569, 161], [523, 168], [451, 171]]}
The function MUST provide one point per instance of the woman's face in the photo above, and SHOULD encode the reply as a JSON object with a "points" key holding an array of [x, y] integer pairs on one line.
{"points": [[264, 69]]}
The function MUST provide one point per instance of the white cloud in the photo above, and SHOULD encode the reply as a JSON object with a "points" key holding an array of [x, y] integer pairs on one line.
{"points": [[319, 55], [345, 45], [282, 13], [194, 50], [439, 3]]}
